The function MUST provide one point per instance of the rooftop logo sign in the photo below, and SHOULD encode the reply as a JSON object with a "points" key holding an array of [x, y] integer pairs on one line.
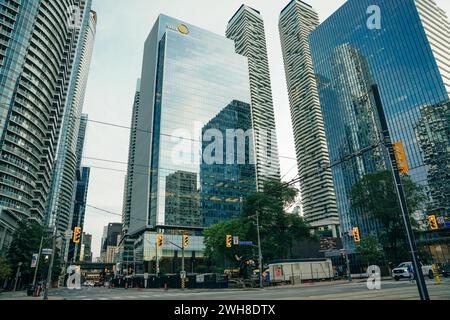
{"points": [[183, 29]]}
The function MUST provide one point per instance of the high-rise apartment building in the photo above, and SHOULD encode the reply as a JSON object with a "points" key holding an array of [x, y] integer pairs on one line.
{"points": [[86, 248], [64, 175], [37, 56], [79, 210], [297, 21], [408, 56], [246, 29], [132, 168]]}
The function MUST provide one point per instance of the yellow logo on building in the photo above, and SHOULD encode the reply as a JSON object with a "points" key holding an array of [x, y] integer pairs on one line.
{"points": [[183, 29]]}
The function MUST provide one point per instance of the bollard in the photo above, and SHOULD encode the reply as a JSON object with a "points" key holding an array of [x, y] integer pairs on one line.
{"points": [[166, 287], [436, 274]]}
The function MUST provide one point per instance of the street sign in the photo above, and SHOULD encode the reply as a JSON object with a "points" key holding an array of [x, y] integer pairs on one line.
{"points": [[245, 243], [34, 260], [200, 278], [235, 240], [47, 252], [68, 234], [183, 274], [145, 276]]}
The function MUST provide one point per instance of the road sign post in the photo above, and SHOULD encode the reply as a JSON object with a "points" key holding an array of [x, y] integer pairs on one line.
{"points": [[421, 285]]}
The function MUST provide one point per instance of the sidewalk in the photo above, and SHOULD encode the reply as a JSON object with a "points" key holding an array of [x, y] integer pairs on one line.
{"points": [[22, 295]]}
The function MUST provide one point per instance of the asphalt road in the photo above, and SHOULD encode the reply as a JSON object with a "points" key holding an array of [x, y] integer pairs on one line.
{"points": [[390, 290]]}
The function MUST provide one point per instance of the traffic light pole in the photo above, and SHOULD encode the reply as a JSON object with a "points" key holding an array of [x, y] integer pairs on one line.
{"points": [[401, 195], [50, 267], [259, 253], [38, 259]]}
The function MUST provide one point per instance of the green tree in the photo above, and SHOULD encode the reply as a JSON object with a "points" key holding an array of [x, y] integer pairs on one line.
{"points": [[25, 243], [370, 250], [279, 230], [375, 194], [5, 268]]}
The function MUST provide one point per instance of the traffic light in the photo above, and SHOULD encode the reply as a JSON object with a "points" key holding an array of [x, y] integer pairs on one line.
{"points": [[356, 234], [160, 240], [229, 240], [185, 241], [400, 156], [77, 235], [433, 222]]}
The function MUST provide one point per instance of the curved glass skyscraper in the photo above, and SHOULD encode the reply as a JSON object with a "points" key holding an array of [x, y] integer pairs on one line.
{"points": [[37, 51], [64, 176]]}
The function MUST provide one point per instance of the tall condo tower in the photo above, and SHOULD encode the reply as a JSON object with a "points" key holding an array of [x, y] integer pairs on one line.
{"points": [[38, 51], [297, 21], [246, 29]]}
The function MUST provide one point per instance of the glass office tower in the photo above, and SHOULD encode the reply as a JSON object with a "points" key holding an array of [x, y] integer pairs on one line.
{"points": [[190, 78], [408, 59]]}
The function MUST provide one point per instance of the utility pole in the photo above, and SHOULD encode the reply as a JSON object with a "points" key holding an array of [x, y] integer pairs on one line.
{"points": [[347, 261], [38, 259], [50, 267], [182, 260], [17, 275], [259, 253], [421, 285]]}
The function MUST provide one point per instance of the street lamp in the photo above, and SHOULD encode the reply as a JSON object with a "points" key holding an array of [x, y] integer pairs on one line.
{"points": [[17, 275], [259, 249]]}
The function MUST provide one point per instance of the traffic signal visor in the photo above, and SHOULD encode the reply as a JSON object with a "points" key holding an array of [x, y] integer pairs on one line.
{"points": [[433, 222], [160, 240], [185, 241], [229, 240], [77, 235], [356, 234]]}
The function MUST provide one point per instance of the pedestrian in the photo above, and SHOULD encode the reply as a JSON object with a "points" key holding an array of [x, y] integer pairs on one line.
{"points": [[411, 273]]}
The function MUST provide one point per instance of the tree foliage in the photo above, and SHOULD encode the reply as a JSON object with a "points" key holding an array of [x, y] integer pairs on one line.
{"points": [[25, 243], [375, 194], [5, 268], [370, 250], [279, 231]]}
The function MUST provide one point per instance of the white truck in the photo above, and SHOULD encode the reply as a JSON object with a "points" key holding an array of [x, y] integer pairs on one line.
{"points": [[297, 271], [402, 271]]}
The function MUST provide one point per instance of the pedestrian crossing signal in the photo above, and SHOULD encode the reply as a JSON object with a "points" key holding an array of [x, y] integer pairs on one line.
{"points": [[185, 241], [160, 240], [356, 236], [77, 235], [229, 240], [433, 222]]}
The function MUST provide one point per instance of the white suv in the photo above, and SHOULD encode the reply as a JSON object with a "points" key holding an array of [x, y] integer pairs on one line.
{"points": [[402, 271]]}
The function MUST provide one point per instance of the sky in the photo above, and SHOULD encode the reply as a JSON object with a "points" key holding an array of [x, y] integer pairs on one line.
{"points": [[122, 28]]}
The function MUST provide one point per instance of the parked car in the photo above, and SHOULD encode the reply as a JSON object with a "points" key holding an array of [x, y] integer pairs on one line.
{"points": [[402, 271], [444, 269], [89, 284]]}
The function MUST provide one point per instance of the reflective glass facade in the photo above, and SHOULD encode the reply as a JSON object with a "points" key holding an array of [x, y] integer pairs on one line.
{"points": [[348, 57], [190, 77]]}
